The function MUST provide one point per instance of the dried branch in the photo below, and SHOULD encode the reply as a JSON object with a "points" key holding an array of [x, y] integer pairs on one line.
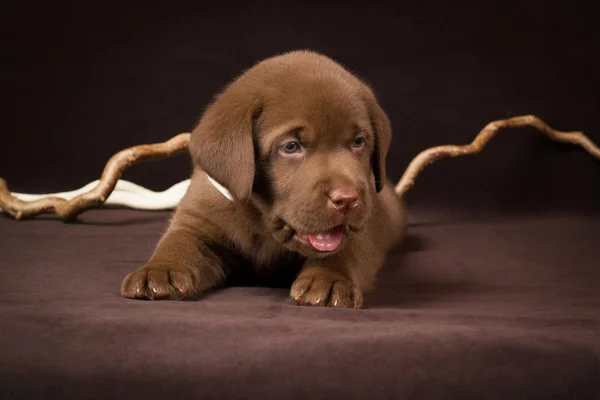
{"points": [[481, 140], [69, 209], [125, 194]]}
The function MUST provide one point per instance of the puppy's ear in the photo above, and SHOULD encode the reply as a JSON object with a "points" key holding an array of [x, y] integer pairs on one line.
{"points": [[223, 142], [382, 129]]}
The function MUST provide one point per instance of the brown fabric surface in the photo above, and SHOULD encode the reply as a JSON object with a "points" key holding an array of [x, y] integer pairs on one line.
{"points": [[470, 307]]}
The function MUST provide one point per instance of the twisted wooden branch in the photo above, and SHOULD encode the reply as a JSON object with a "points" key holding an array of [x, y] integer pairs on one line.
{"points": [[69, 209], [125, 194], [433, 154]]}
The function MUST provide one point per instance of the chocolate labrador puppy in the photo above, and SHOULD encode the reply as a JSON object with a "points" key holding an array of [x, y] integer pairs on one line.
{"points": [[289, 169]]}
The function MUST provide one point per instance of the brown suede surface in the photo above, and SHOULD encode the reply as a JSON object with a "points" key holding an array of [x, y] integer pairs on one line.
{"points": [[470, 307]]}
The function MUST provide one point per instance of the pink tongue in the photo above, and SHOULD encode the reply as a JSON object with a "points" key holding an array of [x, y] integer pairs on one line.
{"points": [[328, 240]]}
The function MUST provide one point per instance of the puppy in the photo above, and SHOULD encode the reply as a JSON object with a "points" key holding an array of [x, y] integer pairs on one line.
{"points": [[289, 175]]}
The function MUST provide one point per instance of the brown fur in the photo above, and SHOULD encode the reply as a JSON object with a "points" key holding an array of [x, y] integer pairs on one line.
{"points": [[299, 96]]}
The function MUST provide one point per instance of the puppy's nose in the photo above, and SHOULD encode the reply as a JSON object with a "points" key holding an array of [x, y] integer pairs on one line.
{"points": [[344, 200]]}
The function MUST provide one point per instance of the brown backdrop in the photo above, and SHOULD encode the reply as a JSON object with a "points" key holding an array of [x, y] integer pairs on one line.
{"points": [[87, 79]]}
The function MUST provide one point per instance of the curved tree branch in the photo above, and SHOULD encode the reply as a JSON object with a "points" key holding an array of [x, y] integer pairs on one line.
{"points": [[69, 209], [433, 154]]}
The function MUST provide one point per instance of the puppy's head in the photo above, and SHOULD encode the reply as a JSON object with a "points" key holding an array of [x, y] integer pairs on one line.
{"points": [[304, 142]]}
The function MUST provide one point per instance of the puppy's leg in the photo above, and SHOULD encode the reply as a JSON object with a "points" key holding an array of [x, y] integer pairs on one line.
{"points": [[342, 279], [337, 281], [182, 266]]}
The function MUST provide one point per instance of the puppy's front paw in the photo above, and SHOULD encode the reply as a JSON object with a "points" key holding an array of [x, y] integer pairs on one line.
{"points": [[159, 283], [326, 291]]}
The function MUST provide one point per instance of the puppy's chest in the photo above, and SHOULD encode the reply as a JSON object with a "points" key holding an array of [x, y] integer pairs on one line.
{"points": [[265, 252], [257, 245], [262, 250]]}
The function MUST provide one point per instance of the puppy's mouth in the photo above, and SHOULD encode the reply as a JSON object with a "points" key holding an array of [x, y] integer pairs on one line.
{"points": [[326, 241]]}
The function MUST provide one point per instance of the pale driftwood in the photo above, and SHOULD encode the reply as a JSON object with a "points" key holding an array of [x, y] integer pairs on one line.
{"points": [[433, 154], [125, 194], [69, 209]]}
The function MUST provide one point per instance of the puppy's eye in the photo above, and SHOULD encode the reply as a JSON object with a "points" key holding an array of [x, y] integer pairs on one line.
{"points": [[291, 147], [358, 142]]}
